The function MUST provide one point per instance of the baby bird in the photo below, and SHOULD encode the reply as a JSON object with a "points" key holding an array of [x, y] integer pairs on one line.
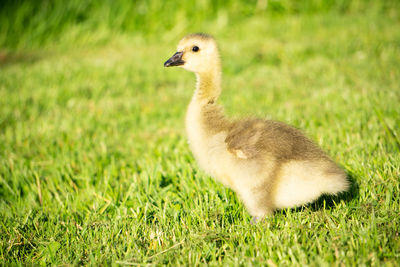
{"points": [[269, 164]]}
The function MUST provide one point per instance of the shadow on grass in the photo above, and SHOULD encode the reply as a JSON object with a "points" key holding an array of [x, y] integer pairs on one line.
{"points": [[329, 201], [8, 59]]}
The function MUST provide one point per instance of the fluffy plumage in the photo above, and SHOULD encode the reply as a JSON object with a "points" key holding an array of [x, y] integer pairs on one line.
{"points": [[268, 163]]}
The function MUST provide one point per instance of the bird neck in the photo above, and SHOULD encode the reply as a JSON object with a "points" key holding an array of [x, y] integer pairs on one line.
{"points": [[208, 87], [204, 117]]}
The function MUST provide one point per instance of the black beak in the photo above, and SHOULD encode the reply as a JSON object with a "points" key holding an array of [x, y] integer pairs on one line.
{"points": [[175, 60]]}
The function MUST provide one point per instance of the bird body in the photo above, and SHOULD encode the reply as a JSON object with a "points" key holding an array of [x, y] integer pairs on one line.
{"points": [[269, 164]]}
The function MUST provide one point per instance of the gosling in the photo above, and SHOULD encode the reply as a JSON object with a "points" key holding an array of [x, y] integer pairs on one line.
{"points": [[269, 164]]}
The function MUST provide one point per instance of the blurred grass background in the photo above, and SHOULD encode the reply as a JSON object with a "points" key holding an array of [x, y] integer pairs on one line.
{"points": [[30, 24], [94, 165]]}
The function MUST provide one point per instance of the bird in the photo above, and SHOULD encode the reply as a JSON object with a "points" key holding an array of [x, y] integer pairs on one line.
{"points": [[269, 164]]}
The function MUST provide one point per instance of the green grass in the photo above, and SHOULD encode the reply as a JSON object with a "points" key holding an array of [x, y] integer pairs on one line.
{"points": [[95, 168]]}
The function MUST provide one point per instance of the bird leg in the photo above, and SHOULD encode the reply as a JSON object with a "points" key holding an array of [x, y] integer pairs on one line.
{"points": [[255, 220]]}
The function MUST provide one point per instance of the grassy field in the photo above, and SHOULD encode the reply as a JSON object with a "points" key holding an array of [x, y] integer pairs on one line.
{"points": [[94, 164]]}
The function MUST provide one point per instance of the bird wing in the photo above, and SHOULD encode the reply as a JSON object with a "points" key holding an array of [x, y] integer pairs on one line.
{"points": [[244, 137], [254, 138]]}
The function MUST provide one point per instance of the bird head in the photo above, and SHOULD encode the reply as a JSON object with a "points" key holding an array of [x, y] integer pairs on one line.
{"points": [[196, 52]]}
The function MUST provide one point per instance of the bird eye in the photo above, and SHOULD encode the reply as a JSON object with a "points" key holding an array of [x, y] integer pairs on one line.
{"points": [[195, 48]]}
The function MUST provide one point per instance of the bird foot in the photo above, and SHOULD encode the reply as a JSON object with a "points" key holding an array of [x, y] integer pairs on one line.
{"points": [[255, 220]]}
